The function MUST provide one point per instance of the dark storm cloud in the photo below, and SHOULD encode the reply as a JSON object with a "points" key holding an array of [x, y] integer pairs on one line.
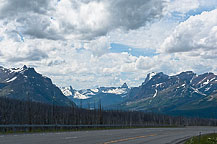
{"points": [[13, 8], [38, 27], [35, 17], [124, 14], [31, 16], [132, 14]]}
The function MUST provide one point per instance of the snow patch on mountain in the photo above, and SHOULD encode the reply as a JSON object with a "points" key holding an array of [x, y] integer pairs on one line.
{"points": [[80, 96], [90, 93], [207, 89], [155, 93], [66, 91], [13, 70], [117, 91], [159, 84], [151, 75], [197, 91], [16, 70], [95, 90], [183, 85], [202, 80], [10, 80], [206, 82]]}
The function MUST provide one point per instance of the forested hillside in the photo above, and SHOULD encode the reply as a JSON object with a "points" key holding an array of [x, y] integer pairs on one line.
{"points": [[22, 112]]}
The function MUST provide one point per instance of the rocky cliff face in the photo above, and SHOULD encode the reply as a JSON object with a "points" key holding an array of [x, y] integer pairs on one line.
{"points": [[26, 84], [183, 93]]}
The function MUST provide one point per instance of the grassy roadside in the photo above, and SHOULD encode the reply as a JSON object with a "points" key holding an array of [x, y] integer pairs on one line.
{"points": [[203, 139], [74, 129]]}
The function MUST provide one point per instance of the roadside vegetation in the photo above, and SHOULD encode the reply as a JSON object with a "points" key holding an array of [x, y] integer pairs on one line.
{"points": [[203, 139]]}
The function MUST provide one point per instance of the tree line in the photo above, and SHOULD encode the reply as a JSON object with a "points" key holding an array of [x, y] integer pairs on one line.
{"points": [[33, 113]]}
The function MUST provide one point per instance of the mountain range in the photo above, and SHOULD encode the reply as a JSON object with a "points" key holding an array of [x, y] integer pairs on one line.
{"points": [[186, 94], [183, 94], [28, 85], [93, 98]]}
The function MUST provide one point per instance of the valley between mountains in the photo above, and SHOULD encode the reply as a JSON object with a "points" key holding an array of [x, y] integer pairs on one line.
{"points": [[184, 94]]}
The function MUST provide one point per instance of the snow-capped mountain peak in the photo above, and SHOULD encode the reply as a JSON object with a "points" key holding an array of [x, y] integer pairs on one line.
{"points": [[150, 76], [67, 91], [117, 91], [124, 85], [106, 95], [22, 83]]}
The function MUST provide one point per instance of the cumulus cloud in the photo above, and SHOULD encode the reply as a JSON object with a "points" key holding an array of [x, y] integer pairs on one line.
{"points": [[31, 50], [198, 33], [145, 63], [55, 61], [24, 23], [183, 6], [80, 19], [69, 40], [134, 14], [12, 8], [42, 27], [89, 19], [208, 4], [98, 46], [148, 37], [34, 55]]}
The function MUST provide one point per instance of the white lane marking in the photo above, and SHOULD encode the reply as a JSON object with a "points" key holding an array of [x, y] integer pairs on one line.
{"points": [[70, 137]]}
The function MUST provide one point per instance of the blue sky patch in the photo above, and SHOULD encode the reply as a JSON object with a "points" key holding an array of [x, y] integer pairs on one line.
{"points": [[21, 37], [119, 48], [177, 16]]}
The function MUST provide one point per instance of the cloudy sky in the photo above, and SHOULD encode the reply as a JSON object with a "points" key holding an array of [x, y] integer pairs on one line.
{"points": [[90, 43]]}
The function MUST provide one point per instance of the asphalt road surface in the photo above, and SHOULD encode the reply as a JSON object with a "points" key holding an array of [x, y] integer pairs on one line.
{"points": [[118, 136]]}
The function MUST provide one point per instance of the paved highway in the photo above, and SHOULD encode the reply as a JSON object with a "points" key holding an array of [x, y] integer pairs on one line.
{"points": [[120, 136]]}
